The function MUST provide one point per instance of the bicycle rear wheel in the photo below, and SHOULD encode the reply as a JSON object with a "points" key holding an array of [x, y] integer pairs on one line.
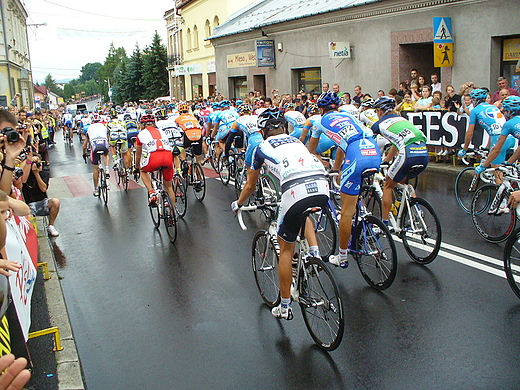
{"points": [[466, 184], [213, 158], [154, 212], [512, 262], [372, 201], [181, 196], [198, 182], [170, 219], [494, 226], [421, 232], [103, 186], [224, 170], [375, 253], [326, 232], [125, 179], [265, 268], [321, 304]]}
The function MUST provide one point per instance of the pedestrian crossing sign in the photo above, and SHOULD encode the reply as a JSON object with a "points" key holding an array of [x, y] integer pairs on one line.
{"points": [[442, 30], [442, 54]]}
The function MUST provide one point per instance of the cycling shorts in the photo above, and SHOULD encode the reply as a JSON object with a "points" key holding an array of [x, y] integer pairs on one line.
{"points": [[68, 124], [238, 139], [222, 134], [252, 143], [361, 155], [158, 159], [510, 143], [196, 145], [98, 145], [413, 154], [132, 132], [299, 195]]}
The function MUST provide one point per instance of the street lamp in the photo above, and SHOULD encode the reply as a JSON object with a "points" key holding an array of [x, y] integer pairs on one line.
{"points": [[109, 90]]}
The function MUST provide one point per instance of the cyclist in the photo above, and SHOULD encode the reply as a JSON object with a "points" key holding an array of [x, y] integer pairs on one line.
{"points": [[357, 151], [118, 133], [295, 118], [222, 123], [67, 120], [192, 130], [408, 144], [97, 136], [248, 125], [158, 153], [324, 143], [304, 185], [368, 116]]}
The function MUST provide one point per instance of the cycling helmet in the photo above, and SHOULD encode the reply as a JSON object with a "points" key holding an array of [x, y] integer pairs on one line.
{"points": [[327, 99], [161, 114], [367, 102], [289, 106], [147, 118], [385, 103], [96, 117], [313, 108], [215, 105], [271, 118], [260, 102], [238, 103], [511, 105], [183, 107], [479, 94], [244, 109], [225, 103]]}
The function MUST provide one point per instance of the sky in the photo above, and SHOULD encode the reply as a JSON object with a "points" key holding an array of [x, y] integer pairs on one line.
{"points": [[77, 33]]}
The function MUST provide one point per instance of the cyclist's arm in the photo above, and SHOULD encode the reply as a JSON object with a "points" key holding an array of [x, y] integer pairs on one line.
{"points": [[215, 129], [305, 130], [514, 157], [250, 186], [495, 151]]}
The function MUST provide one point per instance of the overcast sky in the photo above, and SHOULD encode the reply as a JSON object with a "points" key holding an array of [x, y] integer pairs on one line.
{"points": [[80, 32]]}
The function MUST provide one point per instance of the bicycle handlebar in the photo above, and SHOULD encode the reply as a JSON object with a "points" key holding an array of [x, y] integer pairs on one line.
{"points": [[253, 208]]}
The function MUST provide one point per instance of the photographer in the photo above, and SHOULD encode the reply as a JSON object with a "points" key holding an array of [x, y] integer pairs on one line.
{"points": [[11, 145], [35, 181]]}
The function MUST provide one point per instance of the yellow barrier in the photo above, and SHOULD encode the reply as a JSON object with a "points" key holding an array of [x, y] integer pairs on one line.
{"points": [[55, 331]]}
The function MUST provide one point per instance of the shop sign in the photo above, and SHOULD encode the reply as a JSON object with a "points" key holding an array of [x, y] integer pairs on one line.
{"points": [[511, 49], [265, 53], [241, 59], [339, 50]]}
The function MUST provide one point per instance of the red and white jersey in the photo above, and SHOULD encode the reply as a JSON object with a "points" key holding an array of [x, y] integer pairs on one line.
{"points": [[153, 139]]}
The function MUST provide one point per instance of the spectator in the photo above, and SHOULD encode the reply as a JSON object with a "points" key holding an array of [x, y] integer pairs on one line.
{"points": [[407, 104], [465, 107], [325, 87], [346, 98], [380, 93], [451, 98], [335, 89], [14, 102], [393, 94], [414, 74], [403, 88], [425, 103], [421, 82], [358, 95], [503, 84], [503, 93], [414, 88], [436, 85], [35, 184]]}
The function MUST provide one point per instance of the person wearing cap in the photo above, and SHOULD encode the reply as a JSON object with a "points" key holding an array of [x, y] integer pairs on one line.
{"points": [[503, 84]]}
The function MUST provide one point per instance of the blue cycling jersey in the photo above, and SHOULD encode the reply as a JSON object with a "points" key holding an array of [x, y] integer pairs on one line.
{"points": [[489, 117], [248, 124], [225, 119], [512, 127]]}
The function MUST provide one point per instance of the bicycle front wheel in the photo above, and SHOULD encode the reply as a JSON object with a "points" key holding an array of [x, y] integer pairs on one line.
{"points": [[103, 186], [375, 253], [421, 232], [321, 304], [270, 189], [326, 232], [181, 198], [224, 170], [512, 262], [492, 225], [466, 184], [198, 182], [170, 220], [265, 268]]}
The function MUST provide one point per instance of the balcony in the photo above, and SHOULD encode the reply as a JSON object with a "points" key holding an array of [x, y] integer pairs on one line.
{"points": [[174, 59]]}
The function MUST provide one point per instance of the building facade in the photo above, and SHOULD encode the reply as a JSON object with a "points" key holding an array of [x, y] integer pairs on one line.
{"points": [[15, 69], [298, 45]]}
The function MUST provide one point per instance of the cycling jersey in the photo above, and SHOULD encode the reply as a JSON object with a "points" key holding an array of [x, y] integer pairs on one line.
{"points": [[97, 131], [248, 124], [225, 119], [512, 127], [399, 131], [296, 119], [489, 117], [153, 139], [368, 117], [325, 143], [67, 119], [349, 109], [190, 125]]}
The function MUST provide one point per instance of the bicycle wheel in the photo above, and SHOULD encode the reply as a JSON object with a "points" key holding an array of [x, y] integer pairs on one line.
{"points": [[270, 189], [155, 213], [321, 304], [512, 262], [198, 182], [326, 232], [265, 268], [223, 170], [103, 186], [421, 232], [125, 179], [372, 201], [375, 253], [493, 227], [170, 220], [466, 184], [213, 158], [118, 175], [181, 197]]}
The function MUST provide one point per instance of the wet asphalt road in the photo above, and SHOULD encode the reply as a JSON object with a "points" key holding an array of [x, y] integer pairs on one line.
{"points": [[149, 315]]}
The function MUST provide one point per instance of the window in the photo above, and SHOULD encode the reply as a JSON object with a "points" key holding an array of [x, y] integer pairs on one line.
{"points": [[188, 40], [195, 38], [207, 29], [216, 22]]}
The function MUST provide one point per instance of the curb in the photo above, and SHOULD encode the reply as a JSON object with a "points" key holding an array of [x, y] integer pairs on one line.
{"points": [[67, 361]]}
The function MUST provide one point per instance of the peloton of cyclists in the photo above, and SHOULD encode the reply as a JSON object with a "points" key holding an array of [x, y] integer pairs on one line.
{"points": [[97, 136]]}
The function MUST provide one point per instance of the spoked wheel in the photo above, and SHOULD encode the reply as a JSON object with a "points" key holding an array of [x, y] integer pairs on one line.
{"points": [[198, 182], [124, 179], [119, 176], [372, 201], [265, 268], [170, 219], [466, 184], [421, 232], [326, 232], [223, 170], [375, 253], [213, 159], [321, 304], [270, 189], [512, 262], [240, 180], [181, 198], [154, 212], [103, 186]]}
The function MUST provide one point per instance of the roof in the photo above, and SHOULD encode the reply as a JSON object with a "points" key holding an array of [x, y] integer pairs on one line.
{"points": [[268, 12], [41, 89]]}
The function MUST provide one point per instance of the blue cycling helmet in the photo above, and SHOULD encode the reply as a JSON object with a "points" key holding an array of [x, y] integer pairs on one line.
{"points": [[511, 104], [215, 105], [225, 103], [271, 118], [289, 106], [238, 102], [244, 109], [479, 94], [327, 99], [313, 108], [385, 103]]}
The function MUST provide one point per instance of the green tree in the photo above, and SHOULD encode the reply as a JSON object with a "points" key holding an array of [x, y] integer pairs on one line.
{"points": [[155, 73], [120, 90], [90, 71], [133, 82], [114, 58], [50, 83]]}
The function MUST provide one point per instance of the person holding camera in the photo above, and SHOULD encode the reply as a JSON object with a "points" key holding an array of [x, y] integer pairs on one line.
{"points": [[35, 184], [11, 145]]}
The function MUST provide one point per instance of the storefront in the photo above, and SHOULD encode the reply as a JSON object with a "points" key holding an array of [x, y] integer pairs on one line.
{"points": [[309, 80], [510, 61]]}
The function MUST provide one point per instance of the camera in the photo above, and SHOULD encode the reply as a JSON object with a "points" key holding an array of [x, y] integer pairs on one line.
{"points": [[11, 134], [18, 173], [38, 164]]}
